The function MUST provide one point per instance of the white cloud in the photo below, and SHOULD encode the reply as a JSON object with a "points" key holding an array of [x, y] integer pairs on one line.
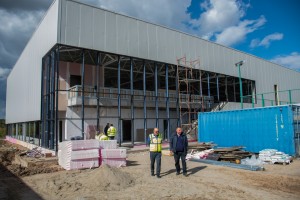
{"points": [[266, 41], [218, 16], [291, 61], [235, 34], [3, 73], [23, 22]]}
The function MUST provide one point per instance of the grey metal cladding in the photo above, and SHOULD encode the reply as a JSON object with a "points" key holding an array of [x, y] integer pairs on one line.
{"points": [[122, 35], [72, 23], [110, 32], [133, 43], [152, 52], [143, 39], [99, 31], [86, 30]]}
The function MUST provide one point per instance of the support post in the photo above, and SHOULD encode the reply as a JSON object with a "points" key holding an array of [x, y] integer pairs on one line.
{"points": [[132, 101], [97, 88], [241, 87], [208, 89], [167, 102], [119, 101], [177, 96], [145, 102], [156, 97], [82, 95], [290, 96], [56, 94]]}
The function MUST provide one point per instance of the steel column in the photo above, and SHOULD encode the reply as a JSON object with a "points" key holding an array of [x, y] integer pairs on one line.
{"points": [[145, 103], [218, 92], [45, 142], [177, 97], [132, 101], [82, 95], [52, 92], [97, 88], [167, 101], [41, 136], [156, 97], [56, 111], [208, 90], [201, 90], [119, 101]]}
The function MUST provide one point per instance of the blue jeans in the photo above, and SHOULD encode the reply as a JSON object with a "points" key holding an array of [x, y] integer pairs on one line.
{"points": [[177, 157], [155, 157]]}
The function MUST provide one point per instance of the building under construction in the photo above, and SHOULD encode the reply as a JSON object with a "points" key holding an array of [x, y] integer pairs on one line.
{"points": [[85, 67]]}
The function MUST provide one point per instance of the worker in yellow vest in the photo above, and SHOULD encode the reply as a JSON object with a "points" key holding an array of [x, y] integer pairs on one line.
{"points": [[101, 136], [155, 143], [111, 132]]}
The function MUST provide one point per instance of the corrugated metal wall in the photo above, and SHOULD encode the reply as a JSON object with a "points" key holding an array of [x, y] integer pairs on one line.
{"points": [[94, 28], [23, 97], [255, 129]]}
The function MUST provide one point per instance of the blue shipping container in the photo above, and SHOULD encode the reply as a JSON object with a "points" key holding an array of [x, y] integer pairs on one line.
{"points": [[255, 129]]}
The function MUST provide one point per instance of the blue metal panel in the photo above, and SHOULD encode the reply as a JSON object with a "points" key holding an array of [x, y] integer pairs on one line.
{"points": [[255, 129]]}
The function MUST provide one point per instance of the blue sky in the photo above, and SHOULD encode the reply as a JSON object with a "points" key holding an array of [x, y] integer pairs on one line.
{"points": [[265, 28]]}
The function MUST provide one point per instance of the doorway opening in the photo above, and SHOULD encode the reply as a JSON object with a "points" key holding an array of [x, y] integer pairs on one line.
{"points": [[126, 129]]}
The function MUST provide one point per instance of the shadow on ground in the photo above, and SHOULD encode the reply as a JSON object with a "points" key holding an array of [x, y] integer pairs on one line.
{"points": [[12, 187], [189, 171]]}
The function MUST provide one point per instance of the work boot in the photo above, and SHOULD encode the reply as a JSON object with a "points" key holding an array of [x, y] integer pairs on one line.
{"points": [[158, 176], [152, 174]]}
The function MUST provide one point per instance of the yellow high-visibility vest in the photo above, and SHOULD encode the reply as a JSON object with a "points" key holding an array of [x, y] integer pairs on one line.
{"points": [[103, 137], [111, 131], [155, 143]]}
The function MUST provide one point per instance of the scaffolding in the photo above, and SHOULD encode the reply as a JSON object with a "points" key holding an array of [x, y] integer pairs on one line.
{"points": [[190, 98]]}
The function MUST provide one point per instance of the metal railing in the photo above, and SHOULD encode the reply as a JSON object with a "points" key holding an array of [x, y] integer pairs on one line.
{"points": [[284, 97], [112, 93]]}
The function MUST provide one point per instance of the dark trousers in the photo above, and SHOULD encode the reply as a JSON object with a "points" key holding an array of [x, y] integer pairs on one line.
{"points": [[177, 157], [155, 157]]}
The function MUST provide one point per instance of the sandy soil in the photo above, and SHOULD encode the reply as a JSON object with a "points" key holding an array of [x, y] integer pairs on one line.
{"points": [[134, 182]]}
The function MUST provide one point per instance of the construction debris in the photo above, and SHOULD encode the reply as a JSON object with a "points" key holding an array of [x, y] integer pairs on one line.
{"points": [[227, 164], [230, 154]]}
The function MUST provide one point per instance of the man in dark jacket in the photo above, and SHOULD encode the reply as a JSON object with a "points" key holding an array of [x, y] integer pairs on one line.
{"points": [[179, 145], [106, 128]]}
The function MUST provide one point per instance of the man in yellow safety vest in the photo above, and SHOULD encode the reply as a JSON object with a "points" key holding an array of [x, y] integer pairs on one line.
{"points": [[155, 143], [111, 132]]}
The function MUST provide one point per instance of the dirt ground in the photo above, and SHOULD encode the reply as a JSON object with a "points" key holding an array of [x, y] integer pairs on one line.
{"points": [[49, 181]]}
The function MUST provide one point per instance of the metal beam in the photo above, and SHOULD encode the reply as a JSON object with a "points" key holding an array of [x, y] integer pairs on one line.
{"points": [[97, 88], [167, 101], [82, 96], [132, 101], [56, 94], [156, 96], [119, 101], [145, 102]]}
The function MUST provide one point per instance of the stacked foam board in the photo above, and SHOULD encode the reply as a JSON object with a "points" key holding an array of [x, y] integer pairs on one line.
{"points": [[82, 154], [78, 154], [112, 156]]}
